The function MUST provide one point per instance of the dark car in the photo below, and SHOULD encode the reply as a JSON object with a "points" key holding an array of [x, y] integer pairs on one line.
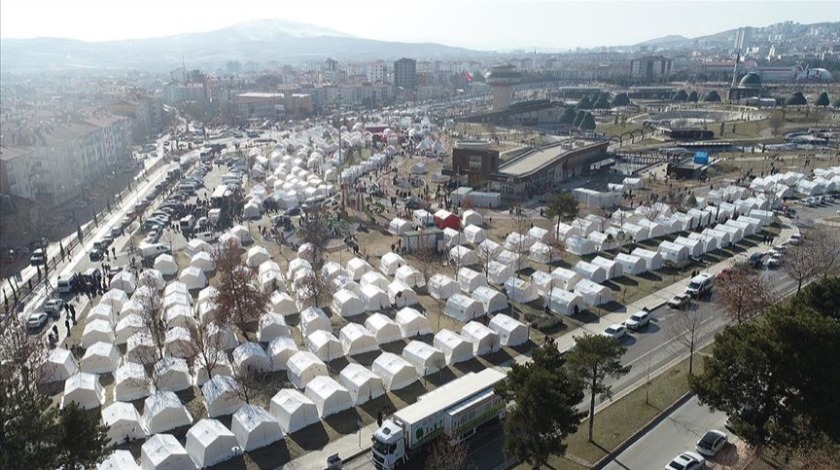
{"points": [[95, 255], [293, 212], [756, 260]]}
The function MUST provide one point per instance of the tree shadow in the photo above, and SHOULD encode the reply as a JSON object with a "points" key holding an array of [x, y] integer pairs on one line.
{"points": [[395, 347], [473, 365], [586, 316], [499, 357]]}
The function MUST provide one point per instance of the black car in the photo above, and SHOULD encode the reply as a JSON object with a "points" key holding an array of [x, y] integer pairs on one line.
{"points": [[95, 255], [293, 211]]}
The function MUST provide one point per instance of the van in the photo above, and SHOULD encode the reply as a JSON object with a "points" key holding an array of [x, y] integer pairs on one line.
{"points": [[153, 249], [700, 284], [64, 284], [187, 223]]}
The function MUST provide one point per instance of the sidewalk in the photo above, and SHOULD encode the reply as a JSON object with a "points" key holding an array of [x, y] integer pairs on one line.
{"points": [[348, 446]]}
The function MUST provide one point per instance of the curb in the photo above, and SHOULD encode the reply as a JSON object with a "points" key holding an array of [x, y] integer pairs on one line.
{"points": [[641, 432]]}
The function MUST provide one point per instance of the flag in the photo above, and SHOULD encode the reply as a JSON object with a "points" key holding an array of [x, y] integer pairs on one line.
{"points": [[468, 76]]}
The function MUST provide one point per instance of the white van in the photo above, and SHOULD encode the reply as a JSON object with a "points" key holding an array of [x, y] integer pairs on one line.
{"points": [[700, 284], [153, 249], [64, 284]]}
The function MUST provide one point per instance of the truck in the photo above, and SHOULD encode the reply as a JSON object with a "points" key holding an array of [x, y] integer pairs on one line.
{"points": [[453, 411]]}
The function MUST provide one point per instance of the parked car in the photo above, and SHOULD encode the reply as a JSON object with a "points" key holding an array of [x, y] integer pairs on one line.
{"points": [[36, 321], [53, 307], [711, 443], [616, 331], [687, 461], [679, 301], [96, 255], [775, 261], [638, 320], [700, 284], [796, 239], [38, 257], [756, 260]]}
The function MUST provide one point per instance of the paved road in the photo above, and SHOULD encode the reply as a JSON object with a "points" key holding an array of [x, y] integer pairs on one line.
{"points": [[677, 433]]}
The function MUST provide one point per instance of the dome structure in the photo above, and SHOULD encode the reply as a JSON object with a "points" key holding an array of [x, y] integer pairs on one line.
{"points": [[750, 80]]}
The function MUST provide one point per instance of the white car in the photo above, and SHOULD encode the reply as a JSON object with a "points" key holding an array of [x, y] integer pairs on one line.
{"points": [[36, 321], [796, 239], [616, 331], [687, 461], [711, 443], [637, 320]]}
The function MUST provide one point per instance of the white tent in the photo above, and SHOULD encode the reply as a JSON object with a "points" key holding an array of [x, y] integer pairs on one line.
{"points": [[58, 366], [398, 226], [176, 293], [593, 294], [489, 249], [103, 312], [116, 298], [540, 253], [123, 422], [474, 234], [543, 281], [282, 303], [324, 345], [118, 460], [631, 264], [518, 243], [566, 278], [472, 217], [376, 279], [242, 234], [131, 382], [272, 325], [254, 428], [511, 332], [463, 308], [652, 259], [604, 241], [390, 262], [257, 255], [441, 287], [293, 410], [579, 246], [520, 291], [124, 281], [695, 247], [329, 396], [140, 348], [313, 319], [636, 232], [709, 243], [163, 411], [463, 256], [221, 396], [83, 389], [410, 276], [564, 302], [375, 299], [722, 238], [193, 277], [165, 263], [356, 339], [280, 349], [395, 371], [219, 365], [672, 251], [383, 328], [209, 442], [97, 331], [152, 278], [164, 452], [612, 268], [491, 300], [250, 356], [470, 280], [425, 359], [296, 265], [412, 323], [454, 347], [131, 307], [422, 218], [357, 267], [173, 374], [223, 336], [362, 384], [538, 234], [303, 366], [330, 269], [591, 272], [100, 358], [401, 295], [127, 327], [348, 304], [179, 342], [197, 246], [516, 261], [483, 339], [452, 237], [179, 315], [203, 261]]}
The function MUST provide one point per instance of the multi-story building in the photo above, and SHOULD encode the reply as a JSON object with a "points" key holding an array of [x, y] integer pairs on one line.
{"points": [[176, 93], [377, 72], [270, 106], [650, 68], [405, 74]]}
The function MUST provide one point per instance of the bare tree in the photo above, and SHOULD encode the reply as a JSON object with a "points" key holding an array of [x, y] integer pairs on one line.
{"points": [[743, 292], [556, 247], [777, 122], [206, 346], [239, 298], [486, 254], [444, 455], [426, 257], [312, 289], [314, 229], [521, 225], [21, 357], [152, 315], [687, 330], [825, 243], [802, 262]]}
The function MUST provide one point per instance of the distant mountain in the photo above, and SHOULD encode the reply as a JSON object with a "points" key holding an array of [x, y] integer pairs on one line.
{"points": [[665, 41], [258, 41]]}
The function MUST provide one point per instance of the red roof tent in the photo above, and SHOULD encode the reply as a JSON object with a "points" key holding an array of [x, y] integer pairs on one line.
{"points": [[445, 219]]}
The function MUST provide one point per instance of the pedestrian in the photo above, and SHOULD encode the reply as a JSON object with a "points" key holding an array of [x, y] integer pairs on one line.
{"points": [[114, 252], [67, 325]]}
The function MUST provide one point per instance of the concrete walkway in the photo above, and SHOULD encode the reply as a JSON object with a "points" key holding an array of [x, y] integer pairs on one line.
{"points": [[348, 446]]}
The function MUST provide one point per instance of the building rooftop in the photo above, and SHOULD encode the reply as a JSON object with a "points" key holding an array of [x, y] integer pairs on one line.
{"points": [[260, 95], [539, 158]]}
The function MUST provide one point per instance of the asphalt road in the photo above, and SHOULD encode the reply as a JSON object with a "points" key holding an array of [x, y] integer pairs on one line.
{"points": [[675, 434]]}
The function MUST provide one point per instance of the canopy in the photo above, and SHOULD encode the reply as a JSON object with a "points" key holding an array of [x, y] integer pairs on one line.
{"points": [[564, 302], [165, 263], [209, 442], [221, 396], [123, 422], [510, 331], [100, 358], [591, 272], [454, 347], [324, 345], [348, 304], [250, 356], [425, 359], [395, 371], [254, 428], [163, 452], [329, 396], [163, 411], [302, 367], [483, 339], [491, 299], [356, 339], [83, 389], [383, 328], [131, 382], [293, 410]]}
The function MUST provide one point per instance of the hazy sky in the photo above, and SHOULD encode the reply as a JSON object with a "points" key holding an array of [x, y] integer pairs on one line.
{"points": [[487, 24]]}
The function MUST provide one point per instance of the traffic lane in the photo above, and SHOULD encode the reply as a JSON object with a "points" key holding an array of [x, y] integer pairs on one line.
{"points": [[675, 434]]}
